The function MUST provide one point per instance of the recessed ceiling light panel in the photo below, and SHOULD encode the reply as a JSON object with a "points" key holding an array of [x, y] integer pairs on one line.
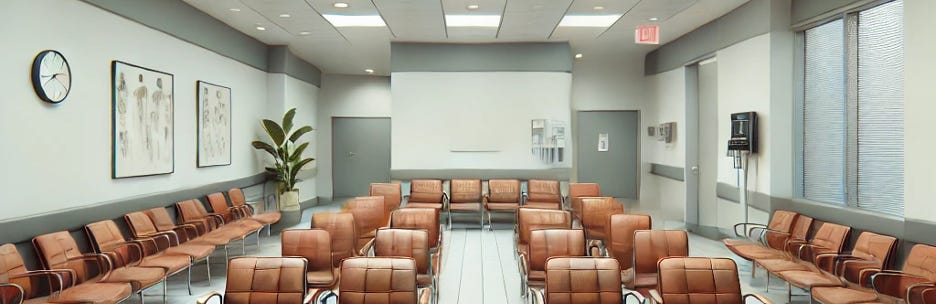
{"points": [[304, 33], [341, 5], [654, 19], [472, 6], [579, 56], [354, 20], [369, 71], [598, 7], [261, 28], [285, 15], [234, 9], [472, 20], [588, 20]]}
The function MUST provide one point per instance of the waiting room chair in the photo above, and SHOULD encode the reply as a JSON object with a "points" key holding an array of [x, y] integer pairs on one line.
{"points": [[342, 232], [193, 212], [595, 212], [465, 198], [62, 285], [620, 234], [579, 190], [828, 239], [107, 239], [264, 280], [543, 194], [391, 192], [503, 196], [386, 280], [58, 250], [315, 246], [142, 227], [426, 193], [912, 284], [410, 243], [754, 235], [802, 226], [580, 280], [232, 215], [529, 220], [695, 280], [369, 215], [240, 202], [420, 218], [189, 234], [872, 252], [649, 247], [544, 244]]}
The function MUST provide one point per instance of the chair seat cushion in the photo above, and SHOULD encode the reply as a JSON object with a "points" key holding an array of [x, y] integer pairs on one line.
{"points": [[541, 205], [436, 206], [806, 279], [140, 277], [843, 295], [245, 225], [780, 265], [196, 251], [170, 262], [641, 280], [536, 278], [267, 218], [97, 293], [423, 279], [321, 278], [756, 252], [465, 206], [426, 197], [503, 206]]}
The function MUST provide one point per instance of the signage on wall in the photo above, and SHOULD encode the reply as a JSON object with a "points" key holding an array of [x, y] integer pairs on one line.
{"points": [[647, 34], [602, 142]]}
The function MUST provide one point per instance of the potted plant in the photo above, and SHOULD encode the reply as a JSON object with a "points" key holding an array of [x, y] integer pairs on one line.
{"points": [[287, 157]]}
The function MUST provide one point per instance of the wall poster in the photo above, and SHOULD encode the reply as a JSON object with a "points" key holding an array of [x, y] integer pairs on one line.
{"points": [[602, 142], [142, 121], [214, 124]]}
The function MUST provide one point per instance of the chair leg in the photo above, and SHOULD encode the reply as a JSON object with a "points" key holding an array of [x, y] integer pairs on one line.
{"points": [[448, 212], [208, 268], [789, 292], [226, 257], [269, 229], [244, 246], [165, 289], [481, 213], [189, 281], [142, 301], [258, 238]]}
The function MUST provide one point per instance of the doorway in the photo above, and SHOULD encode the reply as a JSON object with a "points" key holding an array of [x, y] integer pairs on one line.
{"points": [[360, 154], [614, 164], [702, 152]]}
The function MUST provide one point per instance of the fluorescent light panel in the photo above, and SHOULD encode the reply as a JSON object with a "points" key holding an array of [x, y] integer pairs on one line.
{"points": [[588, 20], [472, 20], [355, 20]]}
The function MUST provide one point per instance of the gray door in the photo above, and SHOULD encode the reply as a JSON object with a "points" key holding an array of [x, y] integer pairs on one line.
{"points": [[618, 169], [708, 143], [360, 154]]}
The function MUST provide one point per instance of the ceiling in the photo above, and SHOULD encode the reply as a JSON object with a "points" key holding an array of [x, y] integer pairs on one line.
{"points": [[351, 50]]}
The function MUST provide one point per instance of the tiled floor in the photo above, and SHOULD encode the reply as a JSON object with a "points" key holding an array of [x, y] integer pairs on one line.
{"points": [[478, 265]]}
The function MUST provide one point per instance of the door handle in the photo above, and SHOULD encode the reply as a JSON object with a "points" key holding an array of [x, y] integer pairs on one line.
{"points": [[351, 154], [695, 170]]}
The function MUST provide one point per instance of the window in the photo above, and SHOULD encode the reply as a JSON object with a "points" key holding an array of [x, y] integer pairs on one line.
{"points": [[852, 110]]}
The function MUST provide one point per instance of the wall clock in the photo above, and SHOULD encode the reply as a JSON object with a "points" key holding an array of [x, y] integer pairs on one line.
{"points": [[51, 76]]}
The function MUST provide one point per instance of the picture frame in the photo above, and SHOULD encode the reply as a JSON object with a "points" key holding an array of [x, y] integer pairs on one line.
{"points": [[213, 107], [142, 121]]}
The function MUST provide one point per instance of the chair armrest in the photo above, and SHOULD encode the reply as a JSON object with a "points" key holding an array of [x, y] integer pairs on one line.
{"points": [[204, 299], [190, 231], [757, 297], [830, 261], [364, 251], [170, 235], [894, 284], [632, 294], [217, 216], [864, 276], [55, 279], [537, 296], [929, 296], [746, 228], [101, 261], [655, 296], [923, 286]]}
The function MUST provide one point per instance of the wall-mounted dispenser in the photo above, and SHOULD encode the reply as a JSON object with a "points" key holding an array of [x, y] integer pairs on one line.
{"points": [[743, 138]]}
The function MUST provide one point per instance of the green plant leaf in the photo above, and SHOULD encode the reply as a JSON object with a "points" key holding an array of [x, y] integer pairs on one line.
{"points": [[274, 130], [259, 145], [298, 152], [299, 132], [288, 120], [295, 169]]}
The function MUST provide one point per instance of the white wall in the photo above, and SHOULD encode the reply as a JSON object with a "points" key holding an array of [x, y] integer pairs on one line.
{"points": [[294, 93], [474, 120], [919, 110], [345, 96], [668, 97]]}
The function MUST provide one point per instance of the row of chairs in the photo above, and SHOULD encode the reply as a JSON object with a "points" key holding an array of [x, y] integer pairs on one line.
{"points": [[119, 265], [810, 254]]}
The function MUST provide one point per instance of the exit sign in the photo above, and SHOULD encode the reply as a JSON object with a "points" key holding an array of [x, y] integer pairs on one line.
{"points": [[647, 34]]}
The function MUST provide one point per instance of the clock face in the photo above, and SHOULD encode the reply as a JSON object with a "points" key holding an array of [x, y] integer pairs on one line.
{"points": [[51, 76]]}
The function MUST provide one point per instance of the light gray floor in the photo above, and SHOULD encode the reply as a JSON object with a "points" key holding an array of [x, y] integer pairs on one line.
{"points": [[478, 265]]}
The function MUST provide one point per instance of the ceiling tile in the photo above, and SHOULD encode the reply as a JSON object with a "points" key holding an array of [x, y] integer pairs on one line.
{"points": [[531, 20]]}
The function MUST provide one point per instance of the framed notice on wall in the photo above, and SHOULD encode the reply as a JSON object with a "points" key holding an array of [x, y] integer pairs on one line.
{"points": [[602, 142]]}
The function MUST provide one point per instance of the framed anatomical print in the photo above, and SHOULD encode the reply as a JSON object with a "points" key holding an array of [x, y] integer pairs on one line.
{"points": [[142, 121], [214, 124]]}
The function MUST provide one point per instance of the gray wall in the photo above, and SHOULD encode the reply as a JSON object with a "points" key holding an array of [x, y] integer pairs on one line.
{"points": [[512, 57]]}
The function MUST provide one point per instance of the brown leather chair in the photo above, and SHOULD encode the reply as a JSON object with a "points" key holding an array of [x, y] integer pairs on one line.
{"points": [[240, 203], [773, 235], [315, 246], [689, 280], [342, 232], [581, 280], [189, 233], [828, 239], [369, 215], [419, 218], [536, 219], [264, 280], [465, 197], [382, 280], [107, 239], [649, 247], [620, 233], [231, 214], [426, 193], [142, 227], [503, 196], [410, 243], [543, 194], [54, 285], [58, 250], [11, 293], [391, 193], [802, 225], [579, 190], [595, 212], [193, 212], [544, 244], [888, 286]]}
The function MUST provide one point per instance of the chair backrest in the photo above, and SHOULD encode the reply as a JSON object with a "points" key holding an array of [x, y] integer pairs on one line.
{"points": [[548, 243], [426, 191], [410, 243], [465, 191], [418, 218], [237, 197], [921, 262], [342, 231], [875, 249], [652, 245], [391, 193], [535, 219], [595, 212], [504, 191], [161, 218], [578, 190], [369, 212], [831, 237], [140, 224], [106, 237], [377, 280], [11, 293], [191, 210], [56, 250], [312, 244], [265, 280], [543, 191], [219, 205], [695, 280], [781, 221], [801, 227], [581, 280], [619, 232], [11, 264]]}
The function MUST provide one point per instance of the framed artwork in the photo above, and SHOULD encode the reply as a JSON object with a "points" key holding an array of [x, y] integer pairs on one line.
{"points": [[214, 124], [142, 121]]}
